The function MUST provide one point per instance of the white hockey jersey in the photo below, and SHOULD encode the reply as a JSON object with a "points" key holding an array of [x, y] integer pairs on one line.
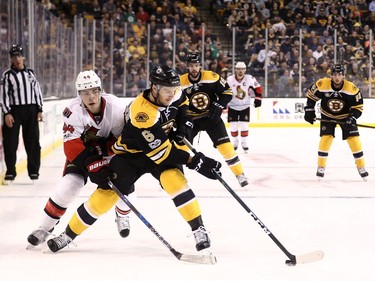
{"points": [[242, 91], [81, 125]]}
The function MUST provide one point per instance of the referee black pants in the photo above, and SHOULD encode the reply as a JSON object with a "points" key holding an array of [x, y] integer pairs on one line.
{"points": [[25, 116]]}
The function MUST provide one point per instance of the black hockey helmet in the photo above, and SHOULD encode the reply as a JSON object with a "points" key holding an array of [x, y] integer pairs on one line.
{"points": [[193, 58], [16, 50], [164, 76], [338, 68]]}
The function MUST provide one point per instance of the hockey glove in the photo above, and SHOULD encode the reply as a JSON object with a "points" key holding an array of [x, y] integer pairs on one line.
{"points": [[98, 169], [183, 131], [205, 165], [350, 122], [257, 103], [310, 114], [215, 111]]}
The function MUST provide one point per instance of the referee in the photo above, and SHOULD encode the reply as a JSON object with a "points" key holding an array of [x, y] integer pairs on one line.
{"points": [[22, 103]]}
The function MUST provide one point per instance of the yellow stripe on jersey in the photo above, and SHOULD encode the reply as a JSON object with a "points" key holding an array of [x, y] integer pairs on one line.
{"points": [[159, 154], [228, 92], [120, 148], [358, 107], [326, 113]]}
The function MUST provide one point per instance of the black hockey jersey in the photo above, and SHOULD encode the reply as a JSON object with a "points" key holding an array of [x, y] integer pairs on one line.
{"points": [[201, 94], [336, 104], [148, 127]]}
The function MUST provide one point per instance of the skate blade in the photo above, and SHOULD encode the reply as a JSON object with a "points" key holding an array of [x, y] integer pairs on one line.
{"points": [[30, 247], [6, 182], [45, 249]]}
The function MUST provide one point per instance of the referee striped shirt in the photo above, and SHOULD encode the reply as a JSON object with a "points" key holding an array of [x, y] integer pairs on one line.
{"points": [[20, 87]]}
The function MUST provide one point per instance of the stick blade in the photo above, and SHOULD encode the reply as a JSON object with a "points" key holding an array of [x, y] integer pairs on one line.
{"points": [[201, 259], [310, 257]]}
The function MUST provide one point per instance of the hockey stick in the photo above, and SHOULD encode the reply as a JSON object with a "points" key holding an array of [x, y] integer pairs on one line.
{"points": [[201, 259], [293, 260], [342, 123]]}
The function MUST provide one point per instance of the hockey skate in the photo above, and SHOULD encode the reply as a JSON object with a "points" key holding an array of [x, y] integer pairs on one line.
{"points": [[235, 144], [363, 173], [123, 225], [242, 180], [320, 172], [37, 237], [59, 242], [245, 147], [8, 179], [201, 238]]}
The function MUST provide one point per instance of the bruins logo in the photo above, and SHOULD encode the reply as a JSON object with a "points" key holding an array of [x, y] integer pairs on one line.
{"points": [[141, 117], [335, 105], [200, 101]]}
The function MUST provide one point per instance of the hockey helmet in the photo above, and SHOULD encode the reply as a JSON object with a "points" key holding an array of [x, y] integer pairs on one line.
{"points": [[338, 68], [193, 58], [16, 50], [88, 79], [164, 76], [240, 64]]}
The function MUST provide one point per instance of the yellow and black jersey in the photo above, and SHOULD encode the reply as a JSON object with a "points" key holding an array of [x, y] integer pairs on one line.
{"points": [[202, 93], [336, 104], [147, 127]]}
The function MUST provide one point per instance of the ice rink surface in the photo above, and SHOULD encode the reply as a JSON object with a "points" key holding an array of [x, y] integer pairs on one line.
{"points": [[336, 215]]}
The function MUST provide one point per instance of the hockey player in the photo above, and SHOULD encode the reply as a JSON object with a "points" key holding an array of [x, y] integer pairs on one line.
{"points": [[341, 101], [149, 144], [208, 95], [92, 123], [243, 86]]}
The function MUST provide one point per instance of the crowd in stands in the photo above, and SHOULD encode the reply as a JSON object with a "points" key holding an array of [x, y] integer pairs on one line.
{"points": [[318, 21]]}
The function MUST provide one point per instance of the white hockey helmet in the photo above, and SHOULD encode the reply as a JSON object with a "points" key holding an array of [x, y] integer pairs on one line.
{"points": [[88, 79], [240, 64]]}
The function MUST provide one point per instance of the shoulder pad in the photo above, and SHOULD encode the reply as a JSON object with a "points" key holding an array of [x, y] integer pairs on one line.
{"points": [[184, 79], [350, 88], [210, 75], [323, 84], [143, 114]]}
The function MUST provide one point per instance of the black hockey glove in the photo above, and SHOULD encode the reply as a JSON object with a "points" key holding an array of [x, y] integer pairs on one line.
{"points": [[98, 168], [215, 111], [257, 103], [183, 131], [204, 165], [310, 114], [350, 122]]}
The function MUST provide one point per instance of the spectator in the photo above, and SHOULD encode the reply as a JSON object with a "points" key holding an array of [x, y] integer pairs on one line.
{"points": [[323, 38], [135, 50], [142, 15], [371, 6], [139, 28], [318, 54], [130, 15], [284, 84]]}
